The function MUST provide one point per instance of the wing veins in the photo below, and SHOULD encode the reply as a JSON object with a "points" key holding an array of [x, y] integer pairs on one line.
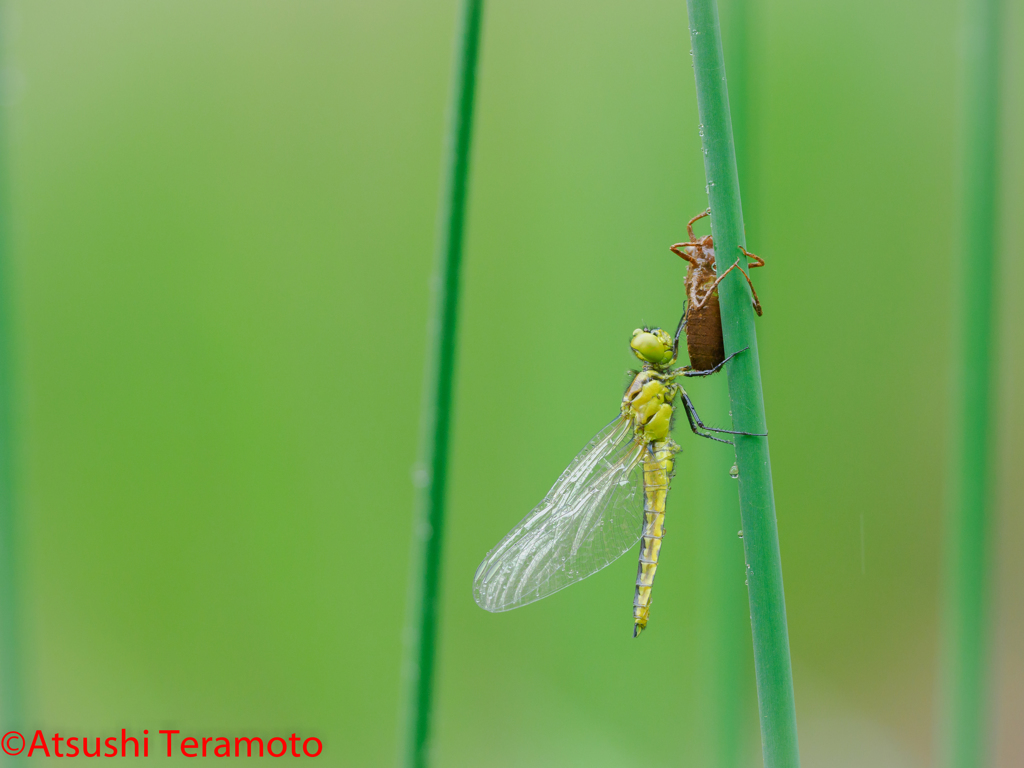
{"points": [[590, 516]]}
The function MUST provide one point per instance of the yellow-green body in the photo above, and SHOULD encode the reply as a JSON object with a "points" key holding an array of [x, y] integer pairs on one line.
{"points": [[589, 517], [649, 405]]}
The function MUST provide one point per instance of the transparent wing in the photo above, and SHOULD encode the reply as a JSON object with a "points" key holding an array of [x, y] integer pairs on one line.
{"points": [[591, 516]]}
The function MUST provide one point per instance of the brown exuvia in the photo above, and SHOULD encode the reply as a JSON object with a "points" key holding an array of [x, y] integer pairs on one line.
{"points": [[703, 319]]}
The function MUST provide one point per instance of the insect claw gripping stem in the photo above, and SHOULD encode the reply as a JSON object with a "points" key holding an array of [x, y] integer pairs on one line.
{"points": [[760, 263], [698, 433], [689, 418], [690, 409], [759, 260], [694, 220], [689, 372]]}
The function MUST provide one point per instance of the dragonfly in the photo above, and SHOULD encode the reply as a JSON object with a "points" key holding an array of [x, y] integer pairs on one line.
{"points": [[611, 496]]}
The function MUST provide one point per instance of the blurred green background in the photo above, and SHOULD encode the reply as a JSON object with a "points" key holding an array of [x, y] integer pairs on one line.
{"points": [[222, 227]]}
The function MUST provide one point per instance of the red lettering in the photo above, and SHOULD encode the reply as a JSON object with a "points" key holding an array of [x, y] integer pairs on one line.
{"points": [[124, 743], [293, 738], [85, 747], [205, 742], [248, 745], [319, 746], [72, 746], [41, 745], [111, 744], [56, 745], [186, 745], [226, 746], [169, 734], [270, 747], [145, 745]]}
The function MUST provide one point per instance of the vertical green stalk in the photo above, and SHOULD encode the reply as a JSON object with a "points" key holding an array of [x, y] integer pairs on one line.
{"points": [[735, 30], [432, 467], [757, 503], [10, 669], [966, 640], [729, 636]]}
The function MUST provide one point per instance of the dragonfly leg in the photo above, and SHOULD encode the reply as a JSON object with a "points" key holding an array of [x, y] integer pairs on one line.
{"points": [[714, 286], [690, 372], [698, 217], [758, 263], [688, 404], [697, 304], [690, 415], [679, 330], [677, 249]]}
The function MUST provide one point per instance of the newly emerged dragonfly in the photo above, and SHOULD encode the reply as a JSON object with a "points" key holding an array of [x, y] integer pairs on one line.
{"points": [[611, 495]]}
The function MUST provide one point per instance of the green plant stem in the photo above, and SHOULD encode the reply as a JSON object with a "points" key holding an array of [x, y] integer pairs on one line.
{"points": [[966, 636], [727, 638], [729, 648], [432, 468], [735, 30], [757, 504]]}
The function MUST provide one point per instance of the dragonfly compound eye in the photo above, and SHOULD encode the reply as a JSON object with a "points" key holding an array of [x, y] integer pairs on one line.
{"points": [[652, 346]]}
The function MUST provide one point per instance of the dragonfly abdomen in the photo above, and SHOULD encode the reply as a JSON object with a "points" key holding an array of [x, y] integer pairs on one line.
{"points": [[657, 468]]}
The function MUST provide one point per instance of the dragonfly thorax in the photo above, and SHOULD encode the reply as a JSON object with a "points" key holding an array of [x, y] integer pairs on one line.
{"points": [[648, 404]]}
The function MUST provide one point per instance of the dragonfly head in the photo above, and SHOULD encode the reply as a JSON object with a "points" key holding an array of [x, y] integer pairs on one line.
{"points": [[653, 346]]}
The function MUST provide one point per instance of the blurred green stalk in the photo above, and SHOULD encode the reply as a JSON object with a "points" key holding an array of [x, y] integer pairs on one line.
{"points": [[432, 467], [966, 637], [757, 503], [10, 668]]}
